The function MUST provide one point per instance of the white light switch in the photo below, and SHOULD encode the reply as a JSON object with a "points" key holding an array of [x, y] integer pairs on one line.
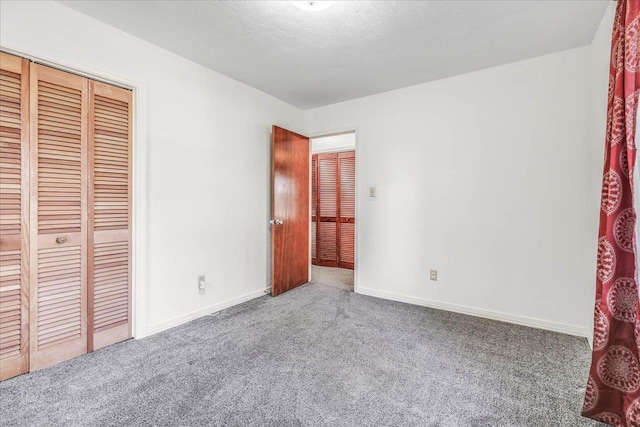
{"points": [[372, 192]]}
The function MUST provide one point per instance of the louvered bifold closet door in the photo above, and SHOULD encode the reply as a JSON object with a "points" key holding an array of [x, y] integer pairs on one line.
{"points": [[58, 237], [347, 211], [14, 216], [109, 215], [314, 208], [327, 231]]}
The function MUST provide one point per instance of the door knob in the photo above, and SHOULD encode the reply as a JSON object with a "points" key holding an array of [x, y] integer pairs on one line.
{"points": [[61, 240], [276, 222]]}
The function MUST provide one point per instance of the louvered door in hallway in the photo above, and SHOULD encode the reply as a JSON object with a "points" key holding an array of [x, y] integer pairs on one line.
{"points": [[333, 209], [347, 209], [65, 218], [327, 209]]}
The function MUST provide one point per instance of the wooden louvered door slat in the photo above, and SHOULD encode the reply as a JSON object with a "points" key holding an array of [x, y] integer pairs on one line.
{"points": [[58, 206], [347, 208], [327, 230], [14, 216], [333, 204], [314, 208], [109, 215]]}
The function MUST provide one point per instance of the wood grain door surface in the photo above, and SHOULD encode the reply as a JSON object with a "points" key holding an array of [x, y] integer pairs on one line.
{"points": [[65, 215], [109, 248], [58, 235], [290, 210], [346, 209], [14, 216], [333, 209]]}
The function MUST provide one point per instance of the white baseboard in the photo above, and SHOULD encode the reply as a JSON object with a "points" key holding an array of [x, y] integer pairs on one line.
{"points": [[167, 324], [456, 308], [480, 312]]}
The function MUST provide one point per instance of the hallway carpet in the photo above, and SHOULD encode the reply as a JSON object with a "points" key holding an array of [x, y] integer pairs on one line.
{"points": [[340, 278], [315, 356]]}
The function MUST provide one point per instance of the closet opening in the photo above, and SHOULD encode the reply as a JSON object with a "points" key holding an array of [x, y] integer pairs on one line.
{"points": [[333, 210], [66, 215]]}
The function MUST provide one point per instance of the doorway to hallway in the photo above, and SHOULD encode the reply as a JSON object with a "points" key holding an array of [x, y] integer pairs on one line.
{"points": [[333, 212]]}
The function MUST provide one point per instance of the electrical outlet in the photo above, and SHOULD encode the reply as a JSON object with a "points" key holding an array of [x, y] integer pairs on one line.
{"points": [[201, 283], [433, 275]]}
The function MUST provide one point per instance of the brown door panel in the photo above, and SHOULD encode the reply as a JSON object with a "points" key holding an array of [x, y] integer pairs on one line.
{"points": [[290, 210]]}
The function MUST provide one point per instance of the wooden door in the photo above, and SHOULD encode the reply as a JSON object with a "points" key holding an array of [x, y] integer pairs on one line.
{"points": [[290, 210], [327, 210], [14, 216], [333, 207], [346, 209], [314, 209], [109, 248], [58, 222]]}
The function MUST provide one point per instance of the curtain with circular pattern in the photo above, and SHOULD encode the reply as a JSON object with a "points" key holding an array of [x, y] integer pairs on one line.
{"points": [[613, 388]]}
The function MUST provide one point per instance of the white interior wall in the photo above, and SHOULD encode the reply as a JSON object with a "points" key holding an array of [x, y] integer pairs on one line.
{"points": [[208, 161], [492, 178], [488, 177], [333, 143]]}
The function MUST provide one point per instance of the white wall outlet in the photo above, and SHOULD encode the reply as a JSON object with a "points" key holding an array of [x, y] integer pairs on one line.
{"points": [[373, 192], [201, 283], [433, 275]]}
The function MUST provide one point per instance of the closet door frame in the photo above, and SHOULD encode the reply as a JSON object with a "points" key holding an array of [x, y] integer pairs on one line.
{"points": [[139, 164]]}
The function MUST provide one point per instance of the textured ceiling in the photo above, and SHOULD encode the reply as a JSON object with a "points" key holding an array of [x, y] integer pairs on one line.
{"points": [[352, 49]]}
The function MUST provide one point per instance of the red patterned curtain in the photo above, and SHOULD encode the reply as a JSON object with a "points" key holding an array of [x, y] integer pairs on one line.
{"points": [[613, 388]]}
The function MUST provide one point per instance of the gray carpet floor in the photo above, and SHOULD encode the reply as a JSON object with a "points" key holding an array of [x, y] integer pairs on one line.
{"points": [[315, 356], [340, 278]]}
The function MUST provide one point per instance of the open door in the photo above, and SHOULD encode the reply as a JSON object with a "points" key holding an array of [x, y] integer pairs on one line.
{"points": [[289, 210]]}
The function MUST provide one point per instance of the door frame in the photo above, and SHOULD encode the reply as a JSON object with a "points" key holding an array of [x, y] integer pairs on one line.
{"points": [[356, 254], [70, 64]]}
